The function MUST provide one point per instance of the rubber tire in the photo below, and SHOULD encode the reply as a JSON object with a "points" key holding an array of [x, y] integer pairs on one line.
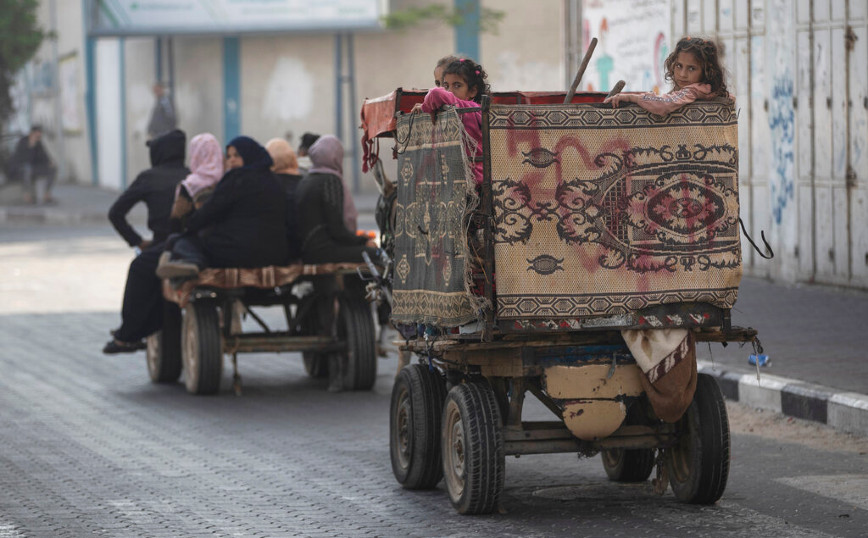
{"points": [[414, 427], [699, 463], [315, 364], [629, 465], [472, 448], [355, 326], [202, 348], [164, 347]]}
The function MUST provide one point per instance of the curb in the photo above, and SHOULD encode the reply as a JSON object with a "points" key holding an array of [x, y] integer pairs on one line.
{"points": [[844, 411], [48, 216]]}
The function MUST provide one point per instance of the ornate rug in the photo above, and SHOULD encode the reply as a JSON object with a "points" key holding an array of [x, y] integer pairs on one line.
{"points": [[435, 192], [604, 211]]}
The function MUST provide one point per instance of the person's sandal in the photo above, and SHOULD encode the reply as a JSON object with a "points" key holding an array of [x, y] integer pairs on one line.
{"points": [[114, 347]]}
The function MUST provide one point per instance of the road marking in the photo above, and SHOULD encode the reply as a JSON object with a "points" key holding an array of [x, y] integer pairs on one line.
{"points": [[852, 489]]}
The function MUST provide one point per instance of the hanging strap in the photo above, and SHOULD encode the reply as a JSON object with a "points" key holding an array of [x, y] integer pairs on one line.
{"points": [[769, 254]]}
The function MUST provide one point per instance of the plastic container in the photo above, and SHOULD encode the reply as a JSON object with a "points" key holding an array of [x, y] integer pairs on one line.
{"points": [[761, 359]]}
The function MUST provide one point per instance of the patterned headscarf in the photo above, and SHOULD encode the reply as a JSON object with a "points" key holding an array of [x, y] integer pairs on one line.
{"points": [[253, 154], [285, 161], [206, 164]]}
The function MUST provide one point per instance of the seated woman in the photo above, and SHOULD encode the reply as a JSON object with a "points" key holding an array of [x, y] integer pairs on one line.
{"points": [[286, 171], [320, 205], [241, 224]]}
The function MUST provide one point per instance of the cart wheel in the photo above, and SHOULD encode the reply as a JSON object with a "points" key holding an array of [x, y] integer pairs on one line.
{"points": [[414, 427], [472, 446], [164, 347], [202, 348], [315, 364], [355, 326], [629, 465], [699, 463]]}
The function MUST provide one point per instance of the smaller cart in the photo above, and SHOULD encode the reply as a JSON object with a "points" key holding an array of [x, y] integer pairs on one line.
{"points": [[327, 316]]}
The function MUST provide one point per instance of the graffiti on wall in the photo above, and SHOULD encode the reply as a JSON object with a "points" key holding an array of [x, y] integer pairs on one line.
{"points": [[782, 114], [631, 45], [782, 124]]}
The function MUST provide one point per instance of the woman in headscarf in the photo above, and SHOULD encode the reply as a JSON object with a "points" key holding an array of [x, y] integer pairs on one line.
{"points": [[326, 234], [142, 311], [242, 221], [206, 163], [285, 169]]}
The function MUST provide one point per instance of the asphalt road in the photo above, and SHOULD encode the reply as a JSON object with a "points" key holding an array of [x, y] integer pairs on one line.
{"points": [[91, 448]]}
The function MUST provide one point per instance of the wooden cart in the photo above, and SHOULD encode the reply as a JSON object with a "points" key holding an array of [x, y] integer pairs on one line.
{"points": [[328, 320], [549, 168]]}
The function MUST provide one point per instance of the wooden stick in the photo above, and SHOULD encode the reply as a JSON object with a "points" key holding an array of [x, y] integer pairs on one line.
{"points": [[581, 71], [616, 89]]}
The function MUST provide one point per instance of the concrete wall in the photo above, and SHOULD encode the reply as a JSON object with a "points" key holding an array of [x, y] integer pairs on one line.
{"points": [[802, 89]]}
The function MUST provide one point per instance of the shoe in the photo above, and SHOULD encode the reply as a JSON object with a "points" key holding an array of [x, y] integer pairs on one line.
{"points": [[114, 347], [169, 268]]}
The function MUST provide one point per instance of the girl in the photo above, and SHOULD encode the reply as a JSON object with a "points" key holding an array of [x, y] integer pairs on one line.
{"points": [[463, 85], [695, 71], [441, 66]]}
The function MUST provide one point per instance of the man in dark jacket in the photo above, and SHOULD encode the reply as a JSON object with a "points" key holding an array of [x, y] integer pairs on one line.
{"points": [[30, 162], [156, 188]]}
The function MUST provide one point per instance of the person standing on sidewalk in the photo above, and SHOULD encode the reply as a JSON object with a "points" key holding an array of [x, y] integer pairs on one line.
{"points": [[156, 188], [163, 119], [30, 162]]}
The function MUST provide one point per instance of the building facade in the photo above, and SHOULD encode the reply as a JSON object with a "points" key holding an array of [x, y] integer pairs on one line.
{"points": [[799, 71]]}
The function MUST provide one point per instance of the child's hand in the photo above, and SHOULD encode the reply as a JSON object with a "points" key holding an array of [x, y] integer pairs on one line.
{"points": [[615, 100], [418, 108]]}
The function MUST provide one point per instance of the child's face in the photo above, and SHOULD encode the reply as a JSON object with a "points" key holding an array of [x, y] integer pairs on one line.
{"points": [[438, 75], [687, 70], [456, 85]]}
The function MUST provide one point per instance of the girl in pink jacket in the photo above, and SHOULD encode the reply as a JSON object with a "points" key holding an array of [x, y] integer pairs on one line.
{"points": [[695, 71], [463, 85]]}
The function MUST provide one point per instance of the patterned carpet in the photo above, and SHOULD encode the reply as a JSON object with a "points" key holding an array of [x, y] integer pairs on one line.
{"points": [[604, 211]]}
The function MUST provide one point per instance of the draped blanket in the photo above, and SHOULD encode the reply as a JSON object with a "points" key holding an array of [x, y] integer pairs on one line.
{"points": [[435, 193], [253, 277], [604, 211]]}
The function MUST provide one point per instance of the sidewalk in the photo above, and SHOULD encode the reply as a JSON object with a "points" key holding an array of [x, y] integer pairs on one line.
{"points": [[89, 204], [816, 336]]}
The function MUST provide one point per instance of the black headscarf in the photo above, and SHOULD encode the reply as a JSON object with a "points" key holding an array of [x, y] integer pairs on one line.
{"points": [[254, 155]]}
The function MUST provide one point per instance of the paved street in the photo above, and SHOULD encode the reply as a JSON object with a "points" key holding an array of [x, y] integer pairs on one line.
{"points": [[92, 448]]}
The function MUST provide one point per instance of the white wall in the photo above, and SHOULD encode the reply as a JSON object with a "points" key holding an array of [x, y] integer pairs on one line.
{"points": [[110, 138]]}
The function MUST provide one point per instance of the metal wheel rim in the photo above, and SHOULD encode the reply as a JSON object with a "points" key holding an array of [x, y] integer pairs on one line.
{"points": [[403, 429], [680, 453], [612, 457], [153, 353], [454, 453], [191, 348]]}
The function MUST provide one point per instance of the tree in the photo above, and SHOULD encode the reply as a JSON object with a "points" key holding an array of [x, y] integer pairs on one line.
{"points": [[405, 18], [20, 37]]}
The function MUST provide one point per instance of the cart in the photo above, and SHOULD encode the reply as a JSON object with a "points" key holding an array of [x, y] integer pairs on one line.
{"points": [[328, 320], [589, 222]]}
